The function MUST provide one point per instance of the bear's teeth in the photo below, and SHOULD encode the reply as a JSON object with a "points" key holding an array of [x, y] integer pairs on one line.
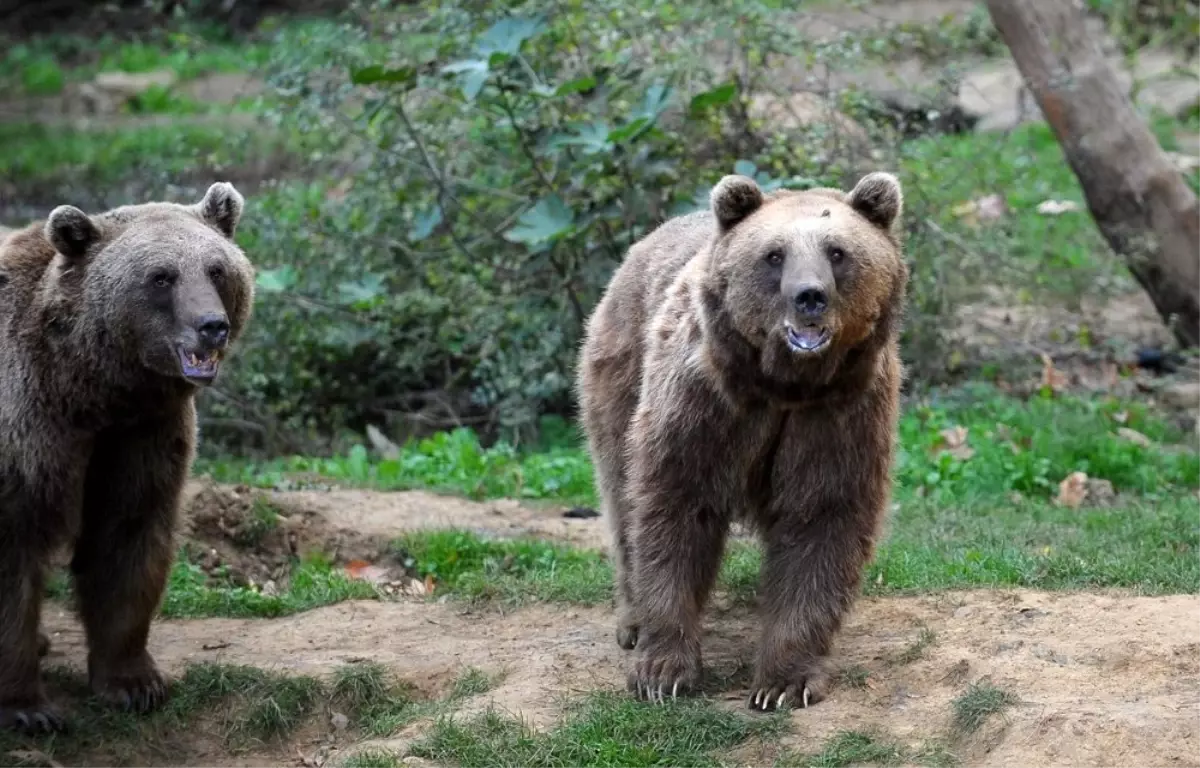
{"points": [[194, 360]]}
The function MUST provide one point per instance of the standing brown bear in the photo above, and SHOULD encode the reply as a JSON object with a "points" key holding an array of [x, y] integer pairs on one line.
{"points": [[744, 363], [108, 325]]}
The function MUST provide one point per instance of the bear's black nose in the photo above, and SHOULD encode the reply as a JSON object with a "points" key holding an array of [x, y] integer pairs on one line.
{"points": [[213, 330], [811, 300]]}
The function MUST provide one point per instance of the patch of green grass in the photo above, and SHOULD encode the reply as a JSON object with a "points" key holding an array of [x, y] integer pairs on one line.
{"points": [[980, 701], [376, 704], [448, 461], [314, 582], [849, 748], [981, 519], [472, 682], [506, 570], [239, 705], [43, 66], [603, 730], [38, 156], [1060, 254]]}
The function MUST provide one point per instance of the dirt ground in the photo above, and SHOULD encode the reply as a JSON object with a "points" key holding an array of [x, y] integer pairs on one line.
{"points": [[1103, 679]]}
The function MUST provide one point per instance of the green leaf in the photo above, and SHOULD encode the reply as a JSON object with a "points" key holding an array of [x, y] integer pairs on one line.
{"points": [[654, 102], [276, 280], [507, 35], [472, 74], [716, 97], [578, 85], [424, 223], [549, 219], [367, 288], [380, 74], [745, 168], [629, 130], [592, 137]]}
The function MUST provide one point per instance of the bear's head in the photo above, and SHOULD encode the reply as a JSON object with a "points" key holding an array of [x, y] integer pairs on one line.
{"points": [[157, 286], [804, 279]]}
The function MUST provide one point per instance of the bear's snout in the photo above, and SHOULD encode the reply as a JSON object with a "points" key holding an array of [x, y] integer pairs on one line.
{"points": [[811, 300], [213, 331]]}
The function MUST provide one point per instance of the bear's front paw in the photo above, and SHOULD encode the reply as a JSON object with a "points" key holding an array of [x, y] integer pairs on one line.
{"points": [[133, 686], [662, 672], [801, 687], [38, 716]]}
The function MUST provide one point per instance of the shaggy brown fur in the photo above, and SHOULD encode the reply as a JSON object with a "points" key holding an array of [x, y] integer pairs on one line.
{"points": [[100, 317], [744, 362]]}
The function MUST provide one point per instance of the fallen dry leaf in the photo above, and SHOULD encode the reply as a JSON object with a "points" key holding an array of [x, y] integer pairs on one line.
{"points": [[987, 208], [1133, 436], [954, 441], [1057, 207], [1052, 378], [1072, 490]]}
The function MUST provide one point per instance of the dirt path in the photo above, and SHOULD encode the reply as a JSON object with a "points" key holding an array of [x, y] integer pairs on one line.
{"points": [[1103, 680]]}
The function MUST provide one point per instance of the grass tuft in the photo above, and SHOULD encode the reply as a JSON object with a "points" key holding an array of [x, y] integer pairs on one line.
{"points": [[980, 701]]}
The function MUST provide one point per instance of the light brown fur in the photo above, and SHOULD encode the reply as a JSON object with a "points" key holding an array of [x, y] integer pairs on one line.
{"points": [[97, 423], [698, 409]]}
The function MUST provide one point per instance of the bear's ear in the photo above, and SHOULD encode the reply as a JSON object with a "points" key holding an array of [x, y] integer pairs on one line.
{"points": [[222, 208], [733, 199], [71, 231], [878, 197]]}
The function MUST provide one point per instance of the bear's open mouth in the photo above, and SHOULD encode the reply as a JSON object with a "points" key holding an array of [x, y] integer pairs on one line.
{"points": [[199, 370], [808, 338]]}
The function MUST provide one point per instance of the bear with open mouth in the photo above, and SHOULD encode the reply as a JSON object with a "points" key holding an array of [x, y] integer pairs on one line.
{"points": [[109, 324], [744, 363]]}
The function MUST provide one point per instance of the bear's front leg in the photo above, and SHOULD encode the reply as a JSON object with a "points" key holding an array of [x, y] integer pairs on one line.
{"points": [[677, 540], [124, 554], [23, 702], [829, 492]]}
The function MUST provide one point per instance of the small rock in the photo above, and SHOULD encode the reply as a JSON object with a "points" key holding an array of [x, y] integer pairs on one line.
{"points": [[1181, 394], [1057, 207], [339, 721], [1133, 436]]}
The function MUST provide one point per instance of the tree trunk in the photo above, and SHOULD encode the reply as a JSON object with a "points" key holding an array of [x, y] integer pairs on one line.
{"points": [[1137, 197]]}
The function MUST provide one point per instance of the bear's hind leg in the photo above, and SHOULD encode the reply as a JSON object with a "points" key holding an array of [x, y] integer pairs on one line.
{"points": [[23, 702], [123, 557]]}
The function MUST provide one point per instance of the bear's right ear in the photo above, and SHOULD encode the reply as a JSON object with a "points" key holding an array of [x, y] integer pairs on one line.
{"points": [[71, 231], [222, 208], [734, 198]]}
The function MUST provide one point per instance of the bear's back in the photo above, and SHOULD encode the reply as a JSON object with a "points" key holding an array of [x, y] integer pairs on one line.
{"points": [[25, 255]]}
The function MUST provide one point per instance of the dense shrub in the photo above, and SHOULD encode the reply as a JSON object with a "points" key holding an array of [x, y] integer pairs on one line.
{"points": [[500, 163]]}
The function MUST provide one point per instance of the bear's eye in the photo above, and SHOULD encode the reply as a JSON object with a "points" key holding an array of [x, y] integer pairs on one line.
{"points": [[217, 274], [162, 280], [836, 255], [775, 257]]}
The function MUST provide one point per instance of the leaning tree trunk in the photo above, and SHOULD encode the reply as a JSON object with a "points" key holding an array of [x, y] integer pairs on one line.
{"points": [[1137, 197]]}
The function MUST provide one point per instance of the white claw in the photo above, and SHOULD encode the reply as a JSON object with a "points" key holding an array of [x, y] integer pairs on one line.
{"points": [[757, 696], [806, 697], [766, 701], [675, 689], [660, 694], [779, 703]]}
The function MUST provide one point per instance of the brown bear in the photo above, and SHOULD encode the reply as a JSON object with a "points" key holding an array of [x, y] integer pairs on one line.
{"points": [[108, 326], [744, 363]]}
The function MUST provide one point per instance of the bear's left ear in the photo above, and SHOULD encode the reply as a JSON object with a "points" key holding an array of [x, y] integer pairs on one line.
{"points": [[734, 198], [71, 231], [222, 208], [878, 197]]}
